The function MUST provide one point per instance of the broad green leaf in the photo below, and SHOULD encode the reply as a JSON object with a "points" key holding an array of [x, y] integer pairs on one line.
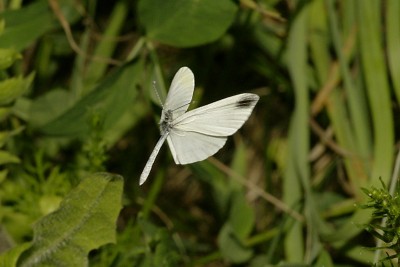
{"points": [[131, 117], [7, 57], [85, 221], [109, 101], [12, 88], [185, 23], [25, 25], [49, 203], [231, 248], [48, 106], [10, 257], [7, 157]]}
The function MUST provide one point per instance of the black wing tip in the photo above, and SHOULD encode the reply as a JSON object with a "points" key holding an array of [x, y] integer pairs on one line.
{"points": [[248, 100]]}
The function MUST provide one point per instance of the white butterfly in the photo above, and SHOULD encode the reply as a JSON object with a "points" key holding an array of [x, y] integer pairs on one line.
{"points": [[197, 134]]}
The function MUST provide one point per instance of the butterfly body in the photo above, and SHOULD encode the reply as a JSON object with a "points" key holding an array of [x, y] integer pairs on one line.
{"points": [[166, 122]]}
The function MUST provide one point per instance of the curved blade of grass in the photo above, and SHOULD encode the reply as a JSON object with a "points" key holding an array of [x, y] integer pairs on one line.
{"points": [[85, 221], [356, 99], [106, 47], [297, 165], [336, 104], [319, 40], [393, 43], [375, 75], [349, 115], [374, 72]]}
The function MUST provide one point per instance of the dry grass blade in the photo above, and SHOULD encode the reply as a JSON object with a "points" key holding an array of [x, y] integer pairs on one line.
{"points": [[67, 29]]}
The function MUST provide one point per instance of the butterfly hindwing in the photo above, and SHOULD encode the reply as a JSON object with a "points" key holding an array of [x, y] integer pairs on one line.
{"points": [[189, 147]]}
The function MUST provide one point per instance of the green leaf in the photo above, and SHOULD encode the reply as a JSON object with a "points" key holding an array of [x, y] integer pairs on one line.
{"points": [[4, 136], [231, 248], [10, 258], [38, 18], [3, 175], [259, 261], [7, 157], [4, 111], [49, 203], [221, 192], [85, 221], [109, 101], [160, 247], [49, 106], [7, 57], [185, 23], [241, 216], [12, 88], [1, 26], [324, 259]]}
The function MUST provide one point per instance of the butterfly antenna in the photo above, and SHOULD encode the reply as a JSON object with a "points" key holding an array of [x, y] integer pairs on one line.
{"points": [[158, 96], [183, 106]]}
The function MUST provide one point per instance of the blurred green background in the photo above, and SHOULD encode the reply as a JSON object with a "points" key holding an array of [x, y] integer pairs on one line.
{"points": [[77, 97]]}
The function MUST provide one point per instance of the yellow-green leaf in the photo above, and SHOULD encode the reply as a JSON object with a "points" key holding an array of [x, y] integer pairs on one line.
{"points": [[7, 57], [12, 88], [7, 157], [85, 221]]}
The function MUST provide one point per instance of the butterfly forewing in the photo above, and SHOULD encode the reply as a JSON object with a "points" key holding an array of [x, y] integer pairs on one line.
{"points": [[220, 118], [180, 92], [200, 133]]}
